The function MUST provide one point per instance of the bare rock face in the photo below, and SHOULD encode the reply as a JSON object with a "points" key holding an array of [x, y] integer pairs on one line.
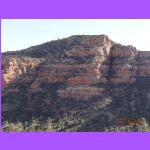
{"points": [[143, 66], [13, 67], [84, 93], [93, 60], [82, 75]]}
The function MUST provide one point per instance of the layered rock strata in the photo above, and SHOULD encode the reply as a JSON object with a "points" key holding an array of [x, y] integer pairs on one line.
{"points": [[84, 69]]}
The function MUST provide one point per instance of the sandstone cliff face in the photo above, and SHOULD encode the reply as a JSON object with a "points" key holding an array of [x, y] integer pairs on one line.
{"points": [[78, 67], [81, 68], [13, 67], [95, 60]]}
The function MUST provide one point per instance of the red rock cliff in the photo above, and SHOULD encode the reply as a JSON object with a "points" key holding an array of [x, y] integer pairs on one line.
{"points": [[92, 60]]}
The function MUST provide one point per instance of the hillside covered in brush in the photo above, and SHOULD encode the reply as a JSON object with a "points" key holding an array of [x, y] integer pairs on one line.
{"points": [[79, 83]]}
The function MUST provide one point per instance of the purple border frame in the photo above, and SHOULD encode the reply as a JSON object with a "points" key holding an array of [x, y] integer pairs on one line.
{"points": [[0, 77], [110, 9], [74, 141], [71, 9]]}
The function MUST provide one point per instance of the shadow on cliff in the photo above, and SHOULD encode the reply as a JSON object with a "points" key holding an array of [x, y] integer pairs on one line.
{"points": [[134, 104]]}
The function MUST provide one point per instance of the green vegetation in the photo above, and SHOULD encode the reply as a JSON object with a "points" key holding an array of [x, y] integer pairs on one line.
{"points": [[67, 123], [44, 111], [53, 48]]}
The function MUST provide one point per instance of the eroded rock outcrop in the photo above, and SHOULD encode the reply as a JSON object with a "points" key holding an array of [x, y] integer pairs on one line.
{"points": [[13, 67], [93, 60], [90, 78]]}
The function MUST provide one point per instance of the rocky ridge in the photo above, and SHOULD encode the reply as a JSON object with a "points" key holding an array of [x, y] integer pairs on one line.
{"points": [[82, 68]]}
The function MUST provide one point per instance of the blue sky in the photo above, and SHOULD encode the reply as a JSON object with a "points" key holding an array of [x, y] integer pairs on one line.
{"points": [[22, 33]]}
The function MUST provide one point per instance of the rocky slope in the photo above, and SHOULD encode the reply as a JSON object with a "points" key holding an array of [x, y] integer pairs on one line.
{"points": [[90, 79]]}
